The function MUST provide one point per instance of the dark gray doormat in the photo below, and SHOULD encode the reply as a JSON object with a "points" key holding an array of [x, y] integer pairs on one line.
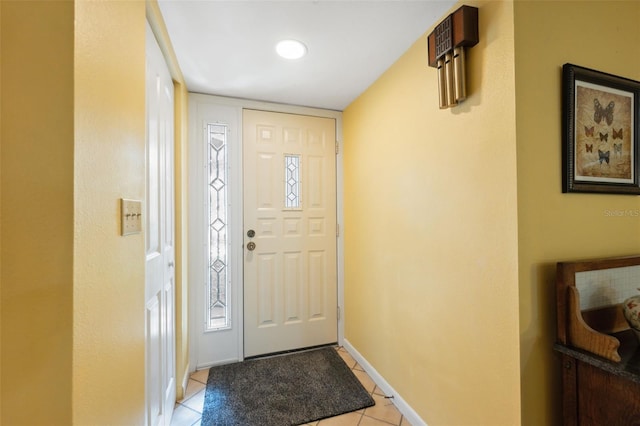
{"points": [[283, 390]]}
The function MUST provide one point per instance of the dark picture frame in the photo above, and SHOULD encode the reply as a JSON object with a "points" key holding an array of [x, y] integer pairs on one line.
{"points": [[600, 123]]}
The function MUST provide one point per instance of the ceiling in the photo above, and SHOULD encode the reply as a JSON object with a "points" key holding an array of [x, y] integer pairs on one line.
{"points": [[227, 48]]}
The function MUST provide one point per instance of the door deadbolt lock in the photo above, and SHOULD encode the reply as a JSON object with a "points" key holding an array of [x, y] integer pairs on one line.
{"points": [[251, 246], [251, 233]]}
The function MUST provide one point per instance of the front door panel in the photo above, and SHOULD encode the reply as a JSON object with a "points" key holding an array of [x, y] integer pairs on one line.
{"points": [[290, 281]]}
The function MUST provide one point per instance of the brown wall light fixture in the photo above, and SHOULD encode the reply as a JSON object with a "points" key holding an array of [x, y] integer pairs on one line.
{"points": [[446, 52]]}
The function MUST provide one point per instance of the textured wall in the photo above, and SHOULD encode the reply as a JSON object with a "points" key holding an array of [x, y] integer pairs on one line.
{"points": [[73, 143], [602, 35], [108, 337], [37, 211], [431, 233]]}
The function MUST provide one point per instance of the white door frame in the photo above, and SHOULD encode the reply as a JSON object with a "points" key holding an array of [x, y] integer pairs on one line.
{"points": [[195, 249]]}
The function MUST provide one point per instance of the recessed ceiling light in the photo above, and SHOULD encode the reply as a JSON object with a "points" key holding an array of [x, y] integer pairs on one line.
{"points": [[291, 49]]}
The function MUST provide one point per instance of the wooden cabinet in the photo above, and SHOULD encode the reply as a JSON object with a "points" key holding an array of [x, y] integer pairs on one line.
{"points": [[600, 355], [598, 392]]}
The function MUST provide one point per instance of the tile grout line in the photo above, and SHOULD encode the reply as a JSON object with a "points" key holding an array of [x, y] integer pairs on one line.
{"points": [[182, 402]]}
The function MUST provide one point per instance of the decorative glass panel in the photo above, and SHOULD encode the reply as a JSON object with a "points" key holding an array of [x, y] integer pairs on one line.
{"points": [[292, 181], [218, 297]]}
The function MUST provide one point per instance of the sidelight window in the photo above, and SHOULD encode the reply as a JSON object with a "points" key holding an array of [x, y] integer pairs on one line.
{"points": [[217, 288]]}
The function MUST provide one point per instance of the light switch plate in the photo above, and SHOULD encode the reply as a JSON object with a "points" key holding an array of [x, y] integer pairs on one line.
{"points": [[131, 216]]}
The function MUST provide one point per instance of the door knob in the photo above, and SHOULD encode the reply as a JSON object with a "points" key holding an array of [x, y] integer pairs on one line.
{"points": [[251, 246]]}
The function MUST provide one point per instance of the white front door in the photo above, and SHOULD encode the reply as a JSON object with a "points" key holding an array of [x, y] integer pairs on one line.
{"points": [[159, 240], [290, 277]]}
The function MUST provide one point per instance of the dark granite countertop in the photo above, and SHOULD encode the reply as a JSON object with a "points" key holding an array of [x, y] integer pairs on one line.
{"points": [[629, 351]]}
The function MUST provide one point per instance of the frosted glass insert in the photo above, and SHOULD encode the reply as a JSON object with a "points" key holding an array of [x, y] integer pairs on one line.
{"points": [[292, 181], [606, 287], [217, 288]]}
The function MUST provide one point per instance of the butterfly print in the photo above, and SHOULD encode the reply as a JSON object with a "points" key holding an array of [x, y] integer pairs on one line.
{"points": [[604, 137], [589, 148], [600, 113], [588, 131], [617, 134], [603, 156], [617, 148]]}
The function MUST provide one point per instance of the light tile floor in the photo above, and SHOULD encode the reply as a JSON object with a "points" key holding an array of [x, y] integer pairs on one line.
{"points": [[188, 411]]}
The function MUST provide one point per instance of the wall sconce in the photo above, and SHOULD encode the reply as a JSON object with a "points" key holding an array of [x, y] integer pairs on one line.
{"points": [[446, 51]]}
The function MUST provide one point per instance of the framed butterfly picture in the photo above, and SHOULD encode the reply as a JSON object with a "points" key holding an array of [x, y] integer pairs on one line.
{"points": [[600, 122]]}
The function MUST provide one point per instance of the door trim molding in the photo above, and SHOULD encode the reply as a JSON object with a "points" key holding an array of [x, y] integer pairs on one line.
{"points": [[293, 109]]}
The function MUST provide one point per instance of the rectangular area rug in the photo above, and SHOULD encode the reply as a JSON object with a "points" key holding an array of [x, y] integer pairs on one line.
{"points": [[283, 390]]}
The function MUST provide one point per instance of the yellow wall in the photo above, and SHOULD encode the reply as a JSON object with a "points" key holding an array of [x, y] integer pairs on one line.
{"points": [[181, 193], [73, 143], [0, 216], [431, 294], [108, 338], [37, 211], [602, 35]]}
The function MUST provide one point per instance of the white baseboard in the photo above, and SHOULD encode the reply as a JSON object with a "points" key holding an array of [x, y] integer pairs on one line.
{"points": [[184, 383], [402, 405], [207, 365]]}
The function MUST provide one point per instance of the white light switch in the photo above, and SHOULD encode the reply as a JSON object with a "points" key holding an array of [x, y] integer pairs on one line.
{"points": [[131, 216]]}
